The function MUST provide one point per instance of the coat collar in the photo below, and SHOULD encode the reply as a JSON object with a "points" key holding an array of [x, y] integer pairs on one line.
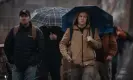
{"points": [[76, 28]]}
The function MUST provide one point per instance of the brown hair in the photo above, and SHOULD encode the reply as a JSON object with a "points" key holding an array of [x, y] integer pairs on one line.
{"points": [[75, 22]]}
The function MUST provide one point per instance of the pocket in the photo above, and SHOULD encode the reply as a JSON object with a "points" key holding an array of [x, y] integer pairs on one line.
{"points": [[32, 69]]}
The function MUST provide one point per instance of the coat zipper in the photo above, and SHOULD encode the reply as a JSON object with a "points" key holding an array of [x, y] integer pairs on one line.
{"points": [[82, 49]]}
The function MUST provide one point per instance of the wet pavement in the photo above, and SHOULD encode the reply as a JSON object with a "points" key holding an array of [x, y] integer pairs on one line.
{"points": [[129, 72], [126, 70]]}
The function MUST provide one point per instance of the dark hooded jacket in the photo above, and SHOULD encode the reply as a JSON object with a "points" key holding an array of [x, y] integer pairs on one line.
{"points": [[21, 49], [52, 46]]}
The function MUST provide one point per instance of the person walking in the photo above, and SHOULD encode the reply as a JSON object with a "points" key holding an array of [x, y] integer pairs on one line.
{"points": [[52, 62], [105, 55], [81, 52], [122, 38], [24, 46]]}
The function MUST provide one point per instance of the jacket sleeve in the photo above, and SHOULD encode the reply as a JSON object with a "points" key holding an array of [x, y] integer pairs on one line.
{"points": [[64, 42], [96, 41], [129, 37], [9, 46], [112, 45], [40, 42], [105, 43]]}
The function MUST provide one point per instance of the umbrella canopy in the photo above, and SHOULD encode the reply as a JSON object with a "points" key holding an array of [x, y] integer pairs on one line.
{"points": [[106, 29], [98, 17], [35, 12], [50, 16]]}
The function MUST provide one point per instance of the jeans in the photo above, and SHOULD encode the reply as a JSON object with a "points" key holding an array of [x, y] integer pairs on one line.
{"points": [[28, 74], [84, 73]]}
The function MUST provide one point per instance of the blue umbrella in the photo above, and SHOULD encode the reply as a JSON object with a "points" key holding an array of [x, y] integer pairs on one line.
{"points": [[98, 17], [106, 29]]}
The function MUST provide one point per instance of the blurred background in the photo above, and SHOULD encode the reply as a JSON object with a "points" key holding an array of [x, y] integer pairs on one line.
{"points": [[121, 10], [9, 9]]}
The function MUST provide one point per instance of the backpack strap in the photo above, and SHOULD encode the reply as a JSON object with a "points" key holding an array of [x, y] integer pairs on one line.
{"points": [[15, 30], [34, 32], [93, 32]]}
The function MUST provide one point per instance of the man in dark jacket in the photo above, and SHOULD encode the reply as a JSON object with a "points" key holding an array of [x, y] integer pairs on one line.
{"points": [[52, 60], [24, 46]]}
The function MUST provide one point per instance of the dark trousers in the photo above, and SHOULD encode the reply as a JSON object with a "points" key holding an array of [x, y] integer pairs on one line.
{"points": [[45, 68], [114, 67], [103, 69]]}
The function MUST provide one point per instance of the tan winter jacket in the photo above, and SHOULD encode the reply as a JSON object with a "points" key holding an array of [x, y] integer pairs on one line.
{"points": [[88, 55]]}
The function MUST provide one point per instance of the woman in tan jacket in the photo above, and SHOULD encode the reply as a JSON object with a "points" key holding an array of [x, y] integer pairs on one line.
{"points": [[81, 52]]}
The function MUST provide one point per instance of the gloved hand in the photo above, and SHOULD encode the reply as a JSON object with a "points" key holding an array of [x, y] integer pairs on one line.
{"points": [[69, 58], [93, 43], [89, 38]]}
